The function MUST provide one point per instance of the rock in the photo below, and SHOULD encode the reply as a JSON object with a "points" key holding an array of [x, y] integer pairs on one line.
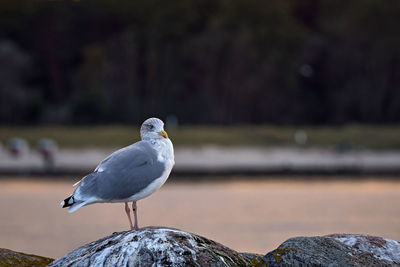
{"points": [[157, 246], [13, 258], [335, 250], [255, 259], [153, 246], [380, 247]]}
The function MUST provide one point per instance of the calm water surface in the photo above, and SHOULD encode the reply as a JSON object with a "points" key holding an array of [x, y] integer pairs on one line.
{"points": [[253, 216]]}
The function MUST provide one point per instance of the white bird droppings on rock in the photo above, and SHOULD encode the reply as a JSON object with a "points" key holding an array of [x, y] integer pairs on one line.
{"points": [[350, 241], [153, 247], [381, 248]]}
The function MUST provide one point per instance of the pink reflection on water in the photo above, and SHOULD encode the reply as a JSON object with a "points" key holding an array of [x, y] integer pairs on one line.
{"points": [[254, 216]]}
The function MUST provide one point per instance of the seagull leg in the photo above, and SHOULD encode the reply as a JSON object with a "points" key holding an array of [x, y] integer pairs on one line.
{"points": [[134, 209], [128, 213]]}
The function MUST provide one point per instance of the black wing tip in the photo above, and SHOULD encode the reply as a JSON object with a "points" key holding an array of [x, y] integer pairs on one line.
{"points": [[68, 202]]}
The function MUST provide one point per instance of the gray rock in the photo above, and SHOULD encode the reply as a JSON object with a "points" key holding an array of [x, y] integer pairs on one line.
{"points": [[335, 250], [153, 247], [381, 248], [156, 246]]}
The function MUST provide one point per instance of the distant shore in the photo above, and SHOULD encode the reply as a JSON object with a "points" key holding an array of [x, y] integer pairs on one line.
{"points": [[221, 161]]}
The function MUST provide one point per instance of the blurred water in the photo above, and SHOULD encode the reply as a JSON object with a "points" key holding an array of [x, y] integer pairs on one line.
{"points": [[254, 216]]}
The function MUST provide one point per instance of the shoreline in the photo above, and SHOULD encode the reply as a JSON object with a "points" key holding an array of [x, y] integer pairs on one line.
{"points": [[221, 162]]}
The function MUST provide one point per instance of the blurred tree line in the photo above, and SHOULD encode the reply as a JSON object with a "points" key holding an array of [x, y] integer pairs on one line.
{"points": [[204, 61]]}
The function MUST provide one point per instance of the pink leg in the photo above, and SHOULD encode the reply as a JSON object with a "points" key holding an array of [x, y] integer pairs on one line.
{"points": [[128, 213], [134, 208]]}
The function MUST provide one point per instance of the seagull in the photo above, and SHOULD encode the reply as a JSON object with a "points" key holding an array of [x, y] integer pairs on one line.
{"points": [[129, 174]]}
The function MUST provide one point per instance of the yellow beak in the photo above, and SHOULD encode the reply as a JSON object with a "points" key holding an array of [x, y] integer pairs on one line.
{"points": [[163, 134]]}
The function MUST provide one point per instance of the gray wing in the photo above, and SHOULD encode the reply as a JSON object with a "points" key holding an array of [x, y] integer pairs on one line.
{"points": [[122, 174]]}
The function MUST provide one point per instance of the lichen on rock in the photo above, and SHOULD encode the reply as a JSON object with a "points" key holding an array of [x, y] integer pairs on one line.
{"points": [[13, 258]]}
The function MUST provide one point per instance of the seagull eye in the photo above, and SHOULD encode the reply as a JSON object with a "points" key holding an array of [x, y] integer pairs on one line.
{"points": [[150, 126]]}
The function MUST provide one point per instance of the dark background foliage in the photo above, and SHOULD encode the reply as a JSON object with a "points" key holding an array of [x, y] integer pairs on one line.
{"points": [[205, 62]]}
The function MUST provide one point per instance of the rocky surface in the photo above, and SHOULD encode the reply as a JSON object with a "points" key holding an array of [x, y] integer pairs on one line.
{"points": [[335, 250], [13, 258], [159, 246], [153, 247], [381, 248]]}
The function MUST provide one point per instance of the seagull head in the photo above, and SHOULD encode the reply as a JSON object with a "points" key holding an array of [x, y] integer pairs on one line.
{"points": [[152, 128]]}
